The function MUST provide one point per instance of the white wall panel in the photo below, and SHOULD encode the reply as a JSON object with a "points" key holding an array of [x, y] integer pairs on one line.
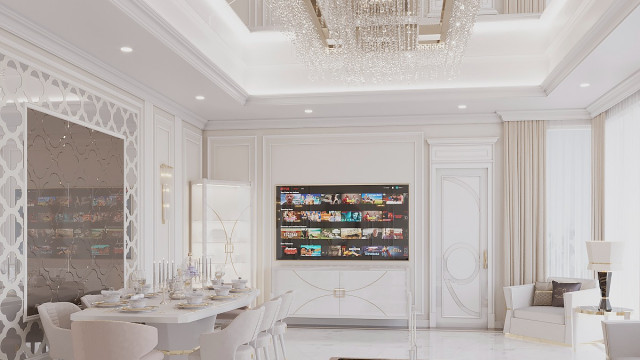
{"points": [[164, 131], [192, 171], [346, 159]]}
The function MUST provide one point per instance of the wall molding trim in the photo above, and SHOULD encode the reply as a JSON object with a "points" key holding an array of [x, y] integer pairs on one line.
{"points": [[36, 35], [548, 115], [144, 15], [620, 92], [398, 95], [586, 44], [353, 121]]}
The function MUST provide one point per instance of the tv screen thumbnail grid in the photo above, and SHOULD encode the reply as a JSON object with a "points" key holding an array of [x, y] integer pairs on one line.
{"points": [[336, 222]]}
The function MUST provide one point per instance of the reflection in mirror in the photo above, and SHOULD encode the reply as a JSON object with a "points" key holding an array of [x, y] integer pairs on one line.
{"points": [[75, 211]]}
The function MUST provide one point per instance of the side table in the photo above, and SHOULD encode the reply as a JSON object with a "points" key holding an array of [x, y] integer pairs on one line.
{"points": [[594, 310]]}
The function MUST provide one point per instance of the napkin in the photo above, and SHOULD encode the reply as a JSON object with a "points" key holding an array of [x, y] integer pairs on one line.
{"points": [[137, 297]]}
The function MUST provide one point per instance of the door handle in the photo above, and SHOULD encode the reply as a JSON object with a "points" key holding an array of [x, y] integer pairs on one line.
{"points": [[485, 263]]}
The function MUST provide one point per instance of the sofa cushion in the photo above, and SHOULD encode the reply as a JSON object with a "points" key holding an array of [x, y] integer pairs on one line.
{"points": [[548, 314], [543, 294], [559, 289]]}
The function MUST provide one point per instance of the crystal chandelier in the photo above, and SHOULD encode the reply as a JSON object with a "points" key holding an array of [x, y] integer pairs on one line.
{"points": [[360, 41]]}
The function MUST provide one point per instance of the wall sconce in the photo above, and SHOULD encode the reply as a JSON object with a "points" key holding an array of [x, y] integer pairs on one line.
{"points": [[166, 180]]}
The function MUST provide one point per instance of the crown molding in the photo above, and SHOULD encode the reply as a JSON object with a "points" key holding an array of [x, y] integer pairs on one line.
{"points": [[36, 35], [397, 95], [458, 141], [586, 44], [146, 17], [355, 121], [620, 92], [547, 115]]}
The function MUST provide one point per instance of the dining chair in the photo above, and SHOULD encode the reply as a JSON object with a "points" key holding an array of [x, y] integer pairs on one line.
{"points": [[56, 321], [88, 300], [262, 341], [280, 327], [114, 340], [621, 339], [232, 342]]}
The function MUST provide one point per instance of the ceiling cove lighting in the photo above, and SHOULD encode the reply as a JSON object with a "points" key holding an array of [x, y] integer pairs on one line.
{"points": [[126, 49], [374, 41], [199, 97]]}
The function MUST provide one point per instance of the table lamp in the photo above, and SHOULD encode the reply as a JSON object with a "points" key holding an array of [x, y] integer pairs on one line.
{"points": [[604, 257]]}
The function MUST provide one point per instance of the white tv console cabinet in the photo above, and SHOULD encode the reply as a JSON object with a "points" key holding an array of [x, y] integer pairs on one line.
{"points": [[356, 292]]}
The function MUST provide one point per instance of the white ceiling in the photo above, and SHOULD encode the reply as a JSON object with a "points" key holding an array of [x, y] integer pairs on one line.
{"points": [[200, 47]]}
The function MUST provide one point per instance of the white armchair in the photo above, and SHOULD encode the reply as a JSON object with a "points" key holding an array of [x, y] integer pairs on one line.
{"points": [[621, 339], [548, 322]]}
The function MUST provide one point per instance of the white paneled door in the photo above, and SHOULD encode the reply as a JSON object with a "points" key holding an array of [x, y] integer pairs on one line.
{"points": [[461, 247]]}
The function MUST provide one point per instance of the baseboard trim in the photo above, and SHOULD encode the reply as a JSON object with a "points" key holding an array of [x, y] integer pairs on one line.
{"points": [[40, 357]]}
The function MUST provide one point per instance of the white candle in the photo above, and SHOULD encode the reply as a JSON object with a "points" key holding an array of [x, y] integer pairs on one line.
{"points": [[173, 268], [162, 272], [154, 276]]}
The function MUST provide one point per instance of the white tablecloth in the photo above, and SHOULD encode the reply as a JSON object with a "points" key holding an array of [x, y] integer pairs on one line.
{"points": [[178, 329]]}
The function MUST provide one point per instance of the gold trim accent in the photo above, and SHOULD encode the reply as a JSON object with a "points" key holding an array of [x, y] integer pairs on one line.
{"points": [[373, 282], [180, 352], [593, 310]]}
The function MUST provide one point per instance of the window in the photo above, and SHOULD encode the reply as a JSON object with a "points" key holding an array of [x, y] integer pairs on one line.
{"points": [[568, 198], [622, 196]]}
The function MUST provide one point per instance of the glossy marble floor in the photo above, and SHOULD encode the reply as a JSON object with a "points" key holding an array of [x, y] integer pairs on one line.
{"points": [[322, 344]]}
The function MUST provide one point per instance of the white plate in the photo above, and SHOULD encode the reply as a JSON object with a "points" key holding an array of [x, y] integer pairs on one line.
{"points": [[221, 297], [192, 306], [104, 304], [137, 310]]}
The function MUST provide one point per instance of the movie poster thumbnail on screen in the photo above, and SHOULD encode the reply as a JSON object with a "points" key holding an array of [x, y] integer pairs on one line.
{"points": [[342, 222]]}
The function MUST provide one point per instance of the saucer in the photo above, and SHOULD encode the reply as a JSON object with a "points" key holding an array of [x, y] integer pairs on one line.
{"points": [[221, 297], [104, 304], [192, 306], [142, 309], [147, 295], [240, 290]]}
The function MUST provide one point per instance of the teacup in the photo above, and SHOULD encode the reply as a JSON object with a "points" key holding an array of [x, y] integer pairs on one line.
{"points": [[222, 291], [137, 303], [195, 297], [239, 283], [146, 288], [110, 296], [216, 282]]}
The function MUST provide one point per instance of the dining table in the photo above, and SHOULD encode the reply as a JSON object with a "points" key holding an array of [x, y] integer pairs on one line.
{"points": [[179, 324]]}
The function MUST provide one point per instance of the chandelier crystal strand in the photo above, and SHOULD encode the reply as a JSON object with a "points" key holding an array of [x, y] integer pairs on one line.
{"points": [[373, 40]]}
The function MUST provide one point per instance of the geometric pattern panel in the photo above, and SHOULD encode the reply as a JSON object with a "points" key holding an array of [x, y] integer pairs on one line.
{"points": [[24, 86]]}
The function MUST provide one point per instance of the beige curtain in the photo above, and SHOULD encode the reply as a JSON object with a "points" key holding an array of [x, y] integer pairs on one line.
{"points": [[597, 177], [524, 201]]}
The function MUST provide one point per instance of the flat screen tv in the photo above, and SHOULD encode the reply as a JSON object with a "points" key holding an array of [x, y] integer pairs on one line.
{"points": [[342, 222]]}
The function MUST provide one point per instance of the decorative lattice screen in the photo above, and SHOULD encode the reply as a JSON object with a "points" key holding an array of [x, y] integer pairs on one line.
{"points": [[24, 86]]}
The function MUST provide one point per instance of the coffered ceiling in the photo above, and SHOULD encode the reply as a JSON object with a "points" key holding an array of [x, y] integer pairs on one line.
{"points": [[513, 63]]}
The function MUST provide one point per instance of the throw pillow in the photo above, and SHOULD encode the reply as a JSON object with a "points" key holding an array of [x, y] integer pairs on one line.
{"points": [[559, 289], [543, 295]]}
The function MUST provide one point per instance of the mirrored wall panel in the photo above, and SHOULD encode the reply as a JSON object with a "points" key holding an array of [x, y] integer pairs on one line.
{"points": [[75, 210]]}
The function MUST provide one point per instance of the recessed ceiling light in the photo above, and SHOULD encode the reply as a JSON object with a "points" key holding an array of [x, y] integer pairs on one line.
{"points": [[584, 85], [308, 111], [126, 49], [462, 106], [199, 97]]}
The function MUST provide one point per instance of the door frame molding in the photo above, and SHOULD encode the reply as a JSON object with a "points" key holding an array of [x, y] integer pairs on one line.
{"points": [[461, 153]]}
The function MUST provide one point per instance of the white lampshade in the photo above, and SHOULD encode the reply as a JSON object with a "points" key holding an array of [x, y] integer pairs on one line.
{"points": [[605, 256]]}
